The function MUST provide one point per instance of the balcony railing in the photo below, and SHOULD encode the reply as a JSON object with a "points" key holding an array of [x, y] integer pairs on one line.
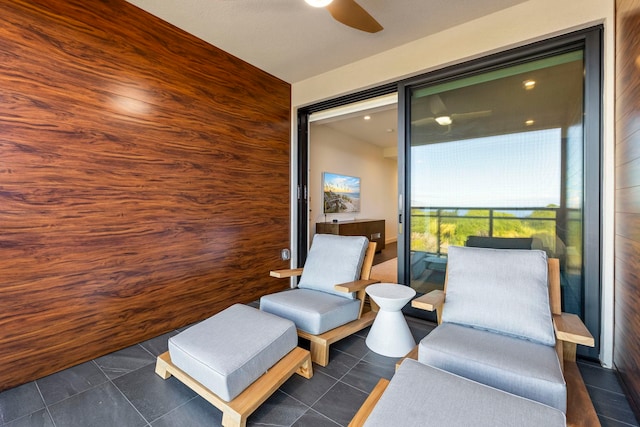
{"points": [[433, 229]]}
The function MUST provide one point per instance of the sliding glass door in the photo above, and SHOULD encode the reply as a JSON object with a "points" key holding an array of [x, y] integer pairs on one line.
{"points": [[499, 155]]}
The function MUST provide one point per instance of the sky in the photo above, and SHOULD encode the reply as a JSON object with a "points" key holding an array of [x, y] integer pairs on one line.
{"points": [[515, 170]]}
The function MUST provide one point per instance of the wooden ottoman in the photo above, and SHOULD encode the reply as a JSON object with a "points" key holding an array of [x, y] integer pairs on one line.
{"points": [[236, 359]]}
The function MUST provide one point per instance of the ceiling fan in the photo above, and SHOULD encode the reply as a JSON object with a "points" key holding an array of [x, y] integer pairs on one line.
{"points": [[349, 13]]}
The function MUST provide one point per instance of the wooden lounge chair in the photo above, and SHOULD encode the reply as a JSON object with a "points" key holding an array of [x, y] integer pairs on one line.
{"points": [[475, 330], [329, 303]]}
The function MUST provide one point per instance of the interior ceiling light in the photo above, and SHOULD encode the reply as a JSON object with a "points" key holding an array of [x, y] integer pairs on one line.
{"points": [[444, 120], [318, 3], [529, 84], [367, 117], [529, 122]]}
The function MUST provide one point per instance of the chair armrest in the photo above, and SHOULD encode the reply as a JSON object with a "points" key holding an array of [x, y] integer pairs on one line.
{"points": [[569, 328], [430, 301], [285, 273], [355, 286]]}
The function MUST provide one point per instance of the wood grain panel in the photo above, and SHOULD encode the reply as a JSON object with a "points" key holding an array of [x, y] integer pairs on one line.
{"points": [[627, 246], [144, 181]]}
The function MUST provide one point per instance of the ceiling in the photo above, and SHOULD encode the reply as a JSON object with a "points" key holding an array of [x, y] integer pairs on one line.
{"points": [[294, 41]]}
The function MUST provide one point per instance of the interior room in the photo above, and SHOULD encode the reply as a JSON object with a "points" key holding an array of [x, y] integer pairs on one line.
{"points": [[163, 162]]}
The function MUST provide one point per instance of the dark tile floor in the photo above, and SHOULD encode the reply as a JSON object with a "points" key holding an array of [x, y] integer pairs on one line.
{"points": [[121, 390]]}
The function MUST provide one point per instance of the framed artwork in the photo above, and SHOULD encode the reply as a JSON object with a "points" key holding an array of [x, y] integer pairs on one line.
{"points": [[341, 193]]}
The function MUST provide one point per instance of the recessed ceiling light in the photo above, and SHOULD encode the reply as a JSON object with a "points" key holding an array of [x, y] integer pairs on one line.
{"points": [[529, 84], [444, 120], [318, 3], [529, 122], [390, 130], [367, 117]]}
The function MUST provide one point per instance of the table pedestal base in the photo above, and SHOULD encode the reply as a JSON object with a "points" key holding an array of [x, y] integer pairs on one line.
{"points": [[390, 335]]}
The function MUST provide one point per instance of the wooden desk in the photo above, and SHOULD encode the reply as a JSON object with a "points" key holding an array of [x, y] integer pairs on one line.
{"points": [[371, 229]]}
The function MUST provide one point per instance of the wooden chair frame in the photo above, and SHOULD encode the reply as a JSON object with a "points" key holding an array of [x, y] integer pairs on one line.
{"points": [[320, 343], [570, 331], [236, 412]]}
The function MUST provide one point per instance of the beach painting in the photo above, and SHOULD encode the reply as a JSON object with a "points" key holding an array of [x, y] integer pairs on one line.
{"points": [[341, 193]]}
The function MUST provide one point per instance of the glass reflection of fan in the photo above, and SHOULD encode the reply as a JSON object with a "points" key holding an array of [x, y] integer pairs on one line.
{"points": [[443, 117], [349, 13]]}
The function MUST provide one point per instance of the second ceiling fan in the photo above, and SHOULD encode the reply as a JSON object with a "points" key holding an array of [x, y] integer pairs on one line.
{"points": [[349, 13]]}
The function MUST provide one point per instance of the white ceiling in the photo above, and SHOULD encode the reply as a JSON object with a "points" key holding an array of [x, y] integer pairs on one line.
{"points": [[294, 41]]}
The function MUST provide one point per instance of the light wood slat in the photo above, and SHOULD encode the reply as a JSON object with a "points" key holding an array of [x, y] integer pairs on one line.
{"points": [[569, 327], [356, 286], [289, 272], [430, 302]]}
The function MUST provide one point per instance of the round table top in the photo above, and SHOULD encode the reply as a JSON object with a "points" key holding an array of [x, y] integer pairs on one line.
{"points": [[390, 291]]}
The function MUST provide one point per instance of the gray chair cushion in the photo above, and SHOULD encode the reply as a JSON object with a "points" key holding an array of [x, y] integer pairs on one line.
{"points": [[420, 395], [514, 365], [332, 260], [312, 311], [229, 351], [501, 290]]}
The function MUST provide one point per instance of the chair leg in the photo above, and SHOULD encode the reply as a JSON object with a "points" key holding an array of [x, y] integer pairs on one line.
{"points": [[306, 368], [233, 419], [320, 353], [161, 366]]}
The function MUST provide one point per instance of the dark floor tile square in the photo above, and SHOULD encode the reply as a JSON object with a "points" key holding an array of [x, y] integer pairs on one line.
{"points": [[353, 345], [597, 376], [363, 332], [195, 413], [380, 360], [608, 422], [124, 361], [612, 405], [158, 345], [312, 418], [19, 401], [339, 364], [308, 391], [39, 418], [278, 410], [100, 406], [364, 376], [67, 383], [341, 403], [150, 394]]}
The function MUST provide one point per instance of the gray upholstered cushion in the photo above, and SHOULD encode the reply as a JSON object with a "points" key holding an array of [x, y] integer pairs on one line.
{"points": [[332, 260], [420, 395], [502, 290], [514, 365], [312, 311], [229, 351]]}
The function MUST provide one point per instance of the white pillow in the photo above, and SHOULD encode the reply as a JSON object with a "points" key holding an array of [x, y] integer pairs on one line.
{"points": [[332, 260], [500, 290]]}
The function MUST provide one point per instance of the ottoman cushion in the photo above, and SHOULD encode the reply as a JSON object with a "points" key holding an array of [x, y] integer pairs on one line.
{"points": [[229, 351], [422, 395]]}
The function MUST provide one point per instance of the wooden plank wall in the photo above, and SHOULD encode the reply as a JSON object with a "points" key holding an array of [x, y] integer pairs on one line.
{"points": [[627, 249], [144, 181]]}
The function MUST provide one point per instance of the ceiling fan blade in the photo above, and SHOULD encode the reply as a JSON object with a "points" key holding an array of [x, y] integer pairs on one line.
{"points": [[353, 15]]}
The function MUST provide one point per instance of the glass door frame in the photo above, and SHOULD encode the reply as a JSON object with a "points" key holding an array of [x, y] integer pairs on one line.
{"points": [[590, 40]]}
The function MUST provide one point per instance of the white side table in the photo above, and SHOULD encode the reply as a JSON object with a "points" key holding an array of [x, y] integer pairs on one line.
{"points": [[390, 334]]}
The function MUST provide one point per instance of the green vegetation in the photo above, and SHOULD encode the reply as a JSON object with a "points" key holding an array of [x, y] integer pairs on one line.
{"points": [[454, 227]]}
